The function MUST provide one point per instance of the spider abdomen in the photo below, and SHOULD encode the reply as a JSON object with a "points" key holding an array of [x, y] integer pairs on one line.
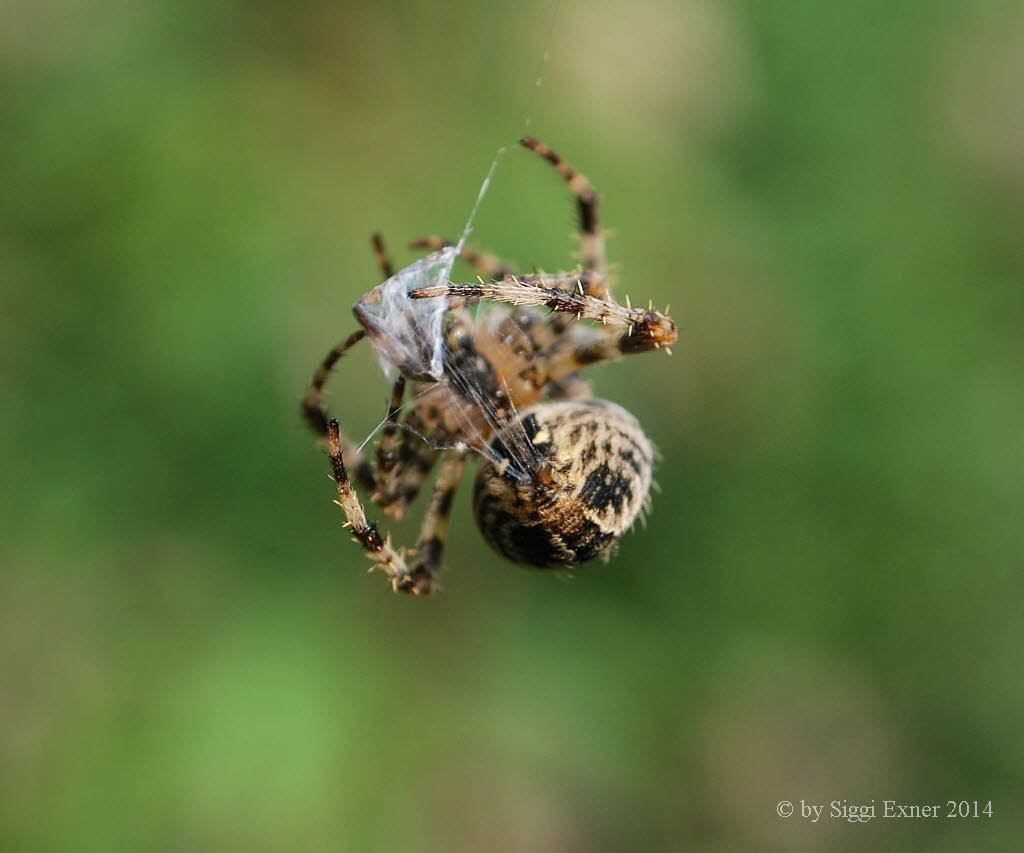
{"points": [[572, 477]]}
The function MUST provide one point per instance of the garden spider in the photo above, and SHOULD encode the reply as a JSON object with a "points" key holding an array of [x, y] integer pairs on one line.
{"points": [[563, 475]]}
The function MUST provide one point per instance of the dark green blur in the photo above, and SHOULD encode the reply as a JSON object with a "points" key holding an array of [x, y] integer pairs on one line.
{"points": [[826, 603]]}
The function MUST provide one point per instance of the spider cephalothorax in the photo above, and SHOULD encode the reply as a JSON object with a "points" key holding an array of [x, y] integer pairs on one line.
{"points": [[563, 475]]}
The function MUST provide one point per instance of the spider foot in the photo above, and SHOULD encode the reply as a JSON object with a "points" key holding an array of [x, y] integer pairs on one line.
{"points": [[417, 582]]}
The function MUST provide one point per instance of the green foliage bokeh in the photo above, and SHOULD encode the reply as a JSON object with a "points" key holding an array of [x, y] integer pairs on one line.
{"points": [[826, 601]]}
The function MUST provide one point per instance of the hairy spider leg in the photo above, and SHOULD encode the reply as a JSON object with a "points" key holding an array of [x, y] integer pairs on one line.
{"points": [[645, 329], [366, 534], [595, 280]]}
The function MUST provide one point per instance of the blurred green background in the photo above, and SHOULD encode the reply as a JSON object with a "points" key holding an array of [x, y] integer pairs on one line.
{"points": [[826, 603]]}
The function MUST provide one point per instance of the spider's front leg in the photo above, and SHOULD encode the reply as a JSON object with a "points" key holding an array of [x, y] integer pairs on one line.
{"points": [[646, 329]]}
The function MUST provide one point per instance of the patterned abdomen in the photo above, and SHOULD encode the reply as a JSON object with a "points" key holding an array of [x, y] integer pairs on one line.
{"points": [[573, 476]]}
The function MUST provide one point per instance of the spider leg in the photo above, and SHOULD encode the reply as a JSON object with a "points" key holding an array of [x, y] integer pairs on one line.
{"points": [[645, 329], [381, 254], [578, 348], [388, 449], [591, 235], [487, 265], [379, 550], [315, 411], [400, 485], [435, 523], [556, 322], [569, 387], [495, 269]]}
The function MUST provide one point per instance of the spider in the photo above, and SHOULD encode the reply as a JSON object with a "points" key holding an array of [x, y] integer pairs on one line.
{"points": [[563, 475]]}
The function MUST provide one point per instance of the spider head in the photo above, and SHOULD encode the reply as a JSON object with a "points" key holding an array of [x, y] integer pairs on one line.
{"points": [[570, 478]]}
